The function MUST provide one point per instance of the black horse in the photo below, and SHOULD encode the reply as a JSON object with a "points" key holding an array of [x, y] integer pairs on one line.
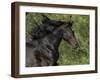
{"points": [[42, 50]]}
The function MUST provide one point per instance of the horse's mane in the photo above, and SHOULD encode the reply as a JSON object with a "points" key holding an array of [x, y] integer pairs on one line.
{"points": [[46, 27], [42, 30]]}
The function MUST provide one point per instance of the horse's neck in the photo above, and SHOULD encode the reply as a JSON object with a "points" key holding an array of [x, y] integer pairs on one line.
{"points": [[53, 39], [57, 38]]}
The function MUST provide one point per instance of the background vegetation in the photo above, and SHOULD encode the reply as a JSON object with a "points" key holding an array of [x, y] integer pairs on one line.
{"points": [[68, 56]]}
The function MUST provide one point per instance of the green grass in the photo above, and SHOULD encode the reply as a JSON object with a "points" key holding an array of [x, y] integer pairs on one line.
{"points": [[68, 56]]}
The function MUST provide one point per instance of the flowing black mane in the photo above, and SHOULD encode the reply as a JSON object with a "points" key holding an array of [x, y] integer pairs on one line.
{"points": [[41, 31], [46, 28]]}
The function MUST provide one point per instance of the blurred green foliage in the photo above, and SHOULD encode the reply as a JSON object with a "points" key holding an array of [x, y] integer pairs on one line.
{"points": [[68, 56]]}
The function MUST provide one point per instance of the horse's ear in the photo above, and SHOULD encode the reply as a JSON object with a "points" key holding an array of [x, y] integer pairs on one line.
{"points": [[70, 22], [45, 19]]}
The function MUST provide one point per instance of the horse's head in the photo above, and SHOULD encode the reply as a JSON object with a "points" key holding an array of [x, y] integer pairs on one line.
{"points": [[68, 34], [65, 27]]}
